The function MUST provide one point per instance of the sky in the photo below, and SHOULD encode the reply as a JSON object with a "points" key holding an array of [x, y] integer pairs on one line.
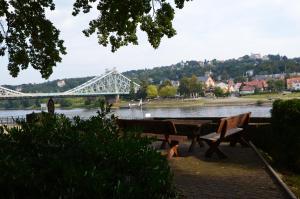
{"points": [[206, 29]]}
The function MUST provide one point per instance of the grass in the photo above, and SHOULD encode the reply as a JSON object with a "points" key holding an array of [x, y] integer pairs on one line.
{"points": [[174, 103], [290, 178], [293, 181], [268, 96]]}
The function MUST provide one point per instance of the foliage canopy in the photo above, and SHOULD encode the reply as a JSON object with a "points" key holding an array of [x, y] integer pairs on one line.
{"points": [[29, 38], [152, 91], [167, 91]]}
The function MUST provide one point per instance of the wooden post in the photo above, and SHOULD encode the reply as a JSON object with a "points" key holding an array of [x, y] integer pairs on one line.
{"points": [[50, 106]]}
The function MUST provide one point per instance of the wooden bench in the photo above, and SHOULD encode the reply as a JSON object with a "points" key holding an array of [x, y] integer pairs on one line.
{"points": [[230, 128], [164, 131]]}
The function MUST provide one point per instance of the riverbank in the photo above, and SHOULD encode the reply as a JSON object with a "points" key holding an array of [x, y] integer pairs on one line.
{"points": [[204, 102], [263, 99]]}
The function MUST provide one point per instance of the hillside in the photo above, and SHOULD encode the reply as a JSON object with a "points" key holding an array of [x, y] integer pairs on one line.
{"points": [[221, 70]]}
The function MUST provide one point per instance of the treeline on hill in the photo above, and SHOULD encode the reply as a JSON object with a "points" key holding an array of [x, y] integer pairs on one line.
{"points": [[50, 86], [222, 70]]}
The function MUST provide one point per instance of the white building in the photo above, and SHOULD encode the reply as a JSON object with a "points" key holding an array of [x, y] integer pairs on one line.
{"points": [[255, 56], [61, 83], [249, 73], [296, 86], [265, 58], [175, 83], [223, 86]]}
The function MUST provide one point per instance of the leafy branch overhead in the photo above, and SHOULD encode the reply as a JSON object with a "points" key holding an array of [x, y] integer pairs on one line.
{"points": [[118, 20], [29, 38]]}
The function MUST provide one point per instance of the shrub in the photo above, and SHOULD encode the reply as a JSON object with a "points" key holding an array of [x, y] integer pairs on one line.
{"points": [[55, 157], [286, 133]]}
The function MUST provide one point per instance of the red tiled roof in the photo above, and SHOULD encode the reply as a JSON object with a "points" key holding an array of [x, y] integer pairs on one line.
{"points": [[257, 83], [248, 88], [293, 80]]}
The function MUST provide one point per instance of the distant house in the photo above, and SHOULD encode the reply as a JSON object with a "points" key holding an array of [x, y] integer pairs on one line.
{"points": [[246, 90], [207, 81], [237, 86], [61, 83], [293, 83], [265, 58], [255, 56], [280, 76], [19, 89], [175, 83], [260, 85], [231, 88], [250, 73], [223, 86], [261, 77]]}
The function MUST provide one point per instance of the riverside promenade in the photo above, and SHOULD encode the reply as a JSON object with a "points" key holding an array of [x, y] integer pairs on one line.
{"points": [[241, 175]]}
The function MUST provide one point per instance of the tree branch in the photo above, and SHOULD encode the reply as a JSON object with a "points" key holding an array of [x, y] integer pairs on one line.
{"points": [[153, 6], [3, 30]]}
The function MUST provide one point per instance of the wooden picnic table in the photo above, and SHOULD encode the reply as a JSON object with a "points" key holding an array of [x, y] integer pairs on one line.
{"points": [[193, 129]]}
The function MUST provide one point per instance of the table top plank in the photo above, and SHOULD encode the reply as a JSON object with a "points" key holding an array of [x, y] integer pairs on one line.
{"points": [[197, 123]]}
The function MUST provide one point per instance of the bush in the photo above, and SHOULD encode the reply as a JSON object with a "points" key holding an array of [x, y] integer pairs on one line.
{"points": [[55, 157], [286, 133], [64, 103]]}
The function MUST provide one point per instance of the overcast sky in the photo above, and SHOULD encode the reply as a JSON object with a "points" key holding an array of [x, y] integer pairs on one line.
{"points": [[206, 29]]}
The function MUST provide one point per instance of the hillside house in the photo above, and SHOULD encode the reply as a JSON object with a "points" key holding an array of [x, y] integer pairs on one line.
{"points": [[207, 81], [231, 88], [293, 84], [223, 86], [250, 73], [61, 83], [247, 90], [279, 76], [175, 83], [260, 85], [237, 86]]}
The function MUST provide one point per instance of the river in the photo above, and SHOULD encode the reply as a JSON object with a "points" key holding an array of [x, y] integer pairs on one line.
{"points": [[257, 111]]}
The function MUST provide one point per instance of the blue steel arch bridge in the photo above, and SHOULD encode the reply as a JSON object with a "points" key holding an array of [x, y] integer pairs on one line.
{"points": [[111, 83]]}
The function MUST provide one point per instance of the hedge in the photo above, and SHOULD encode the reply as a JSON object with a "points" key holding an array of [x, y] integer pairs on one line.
{"points": [[285, 139], [56, 157]]}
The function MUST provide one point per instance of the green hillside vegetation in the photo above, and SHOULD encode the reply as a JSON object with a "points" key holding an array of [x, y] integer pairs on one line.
{"points": [[232, 68], [50, 86]]}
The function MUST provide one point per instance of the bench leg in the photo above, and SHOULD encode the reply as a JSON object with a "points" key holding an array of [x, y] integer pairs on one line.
{"points": [[194, 141], [238, 139], [192, 146], [173, 149], [234, 141], [243, 142], [165, 142], [201, 144], [213, 148]]}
